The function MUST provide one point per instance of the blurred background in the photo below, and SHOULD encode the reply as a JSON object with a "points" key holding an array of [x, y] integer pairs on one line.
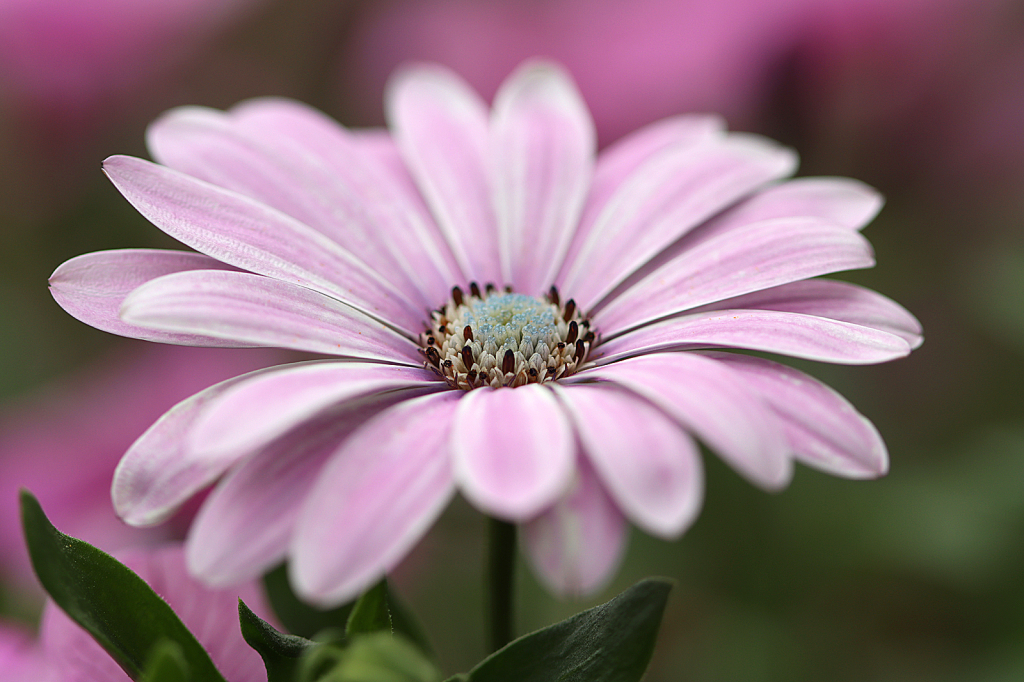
{"points": [[917, 576]]}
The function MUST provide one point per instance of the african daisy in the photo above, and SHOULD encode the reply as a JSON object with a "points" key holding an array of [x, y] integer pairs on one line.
{"points": [[506, 314]]}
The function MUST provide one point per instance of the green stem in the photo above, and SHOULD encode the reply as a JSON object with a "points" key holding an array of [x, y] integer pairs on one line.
{"points": [[501, 576]]}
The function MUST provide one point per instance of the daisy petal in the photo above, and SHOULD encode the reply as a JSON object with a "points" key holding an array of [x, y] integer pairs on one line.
{"points": [[513, 450], [576, 545], [794, 334], [843, 201], [667, 196], [275, 403], [369, 161], [441, 127], [745, 259], [209, 145], [823, 429], [242, 232], [253, 310], [92, 287], [158, 472], [713, 403], [616, 163], [374, 500], [378, 145], [244, 526], [648, 464], [835, 300], [542, 152], [429, 242]]}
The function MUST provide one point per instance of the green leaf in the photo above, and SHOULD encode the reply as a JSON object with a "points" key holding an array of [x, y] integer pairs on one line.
{"points": [[297, 616], [165, 663], [608, 643], [375, 657], [371, 612], [280, 652], [114, 605]]}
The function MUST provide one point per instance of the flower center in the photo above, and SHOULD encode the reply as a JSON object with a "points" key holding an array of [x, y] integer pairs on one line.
{"points": [[500, 338]]}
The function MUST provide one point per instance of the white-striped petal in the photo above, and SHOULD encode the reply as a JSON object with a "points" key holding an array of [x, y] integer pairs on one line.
{"points": [[542, 156], [513, 450]]}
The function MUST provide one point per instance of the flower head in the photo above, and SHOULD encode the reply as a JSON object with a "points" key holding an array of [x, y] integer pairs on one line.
{"points": [[508, 315]]}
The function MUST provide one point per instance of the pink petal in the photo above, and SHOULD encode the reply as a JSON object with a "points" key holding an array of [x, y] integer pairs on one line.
{"points": [[272, 405], [441, 127], [645, 460], [542, 152], [370, 162], [843, 201], [836, 201], [712, 402], [374, 500], [92, 287], [616, 163], [158, 472], [835, 300], [673, 192], [576, 545], [746, 259], [793, 334], [247, 234], [822, 428], [380, 147], [253, 310], [513, 450], [326, 183], [63, 442], [245, 525]]}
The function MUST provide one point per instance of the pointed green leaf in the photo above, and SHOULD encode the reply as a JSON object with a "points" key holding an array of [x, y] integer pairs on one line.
{"points": [[297, 616], [280, 652], [608, 643], [165, 663], [371, 612], [114, 605]]}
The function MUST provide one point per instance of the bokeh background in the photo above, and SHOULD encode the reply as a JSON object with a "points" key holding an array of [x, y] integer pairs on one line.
{"points": [[918, 576]]}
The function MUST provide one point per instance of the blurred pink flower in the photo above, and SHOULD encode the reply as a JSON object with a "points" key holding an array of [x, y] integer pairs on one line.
{"points": [[635, 62], [70, 56], [937, 83], [21, 659], [64, 443], [682, 237], [643, 60], [65, 652]]}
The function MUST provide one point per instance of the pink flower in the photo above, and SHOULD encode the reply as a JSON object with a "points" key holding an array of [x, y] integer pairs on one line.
{"points": [[67, 653], [71, 56], [643, 60], [635, 62], [635, 274], [21, 659], [63, 444]]}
